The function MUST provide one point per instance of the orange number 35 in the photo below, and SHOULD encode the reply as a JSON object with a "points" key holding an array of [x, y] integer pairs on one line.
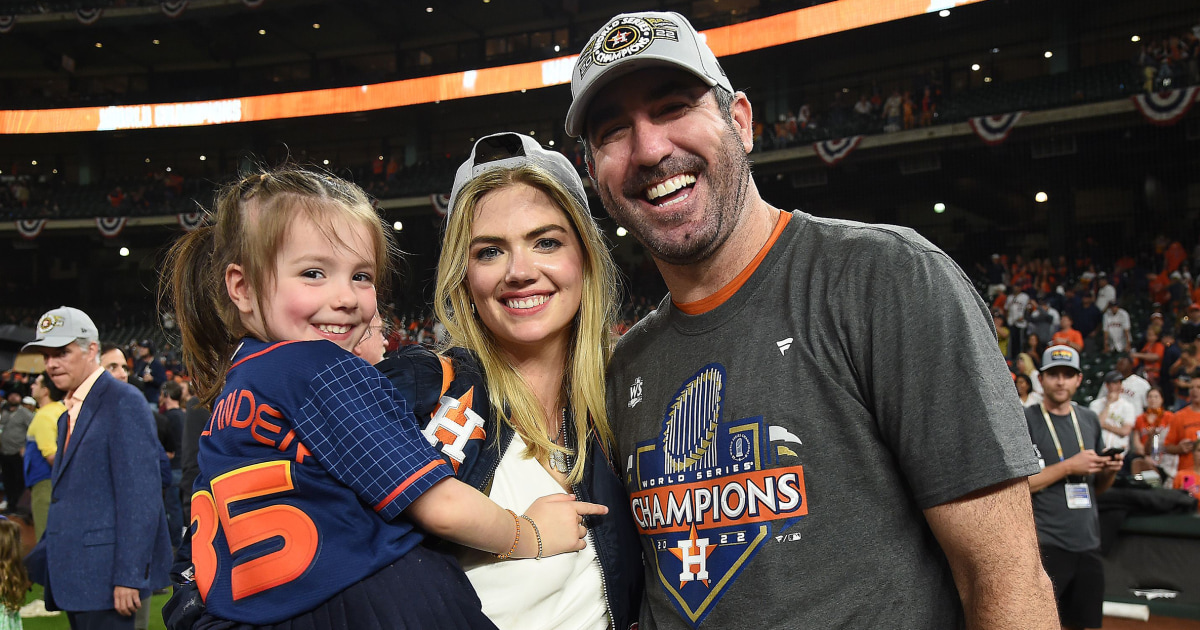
{"points": [[210, 513]]}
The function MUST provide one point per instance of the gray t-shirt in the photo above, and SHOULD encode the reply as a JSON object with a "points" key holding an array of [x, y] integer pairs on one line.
{"points": [[1057, 525], [779, 449], [13, 425]]}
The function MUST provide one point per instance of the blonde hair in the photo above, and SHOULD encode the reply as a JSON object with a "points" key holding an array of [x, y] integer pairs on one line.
{"points": [[247, 226], [14, 581], [591, 341]]}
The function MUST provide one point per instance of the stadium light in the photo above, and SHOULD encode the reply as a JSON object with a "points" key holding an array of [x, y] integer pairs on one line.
{"points": [[1048, 54], [1041, 197], [168, 169], [381, 158], [622, 231], [1135, 39], [33, 162], [154, 41], [987, 79], [262, 31], [124, 252], [551, 143], [203, 157], [429, 9], [557, 48], [397, 226], [316, 25], [325, 162], [147, 160], [975, 67], [55, 171], [944, 13], [939, 207], [99, 45]]}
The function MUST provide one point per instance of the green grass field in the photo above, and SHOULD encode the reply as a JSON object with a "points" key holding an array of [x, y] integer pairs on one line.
{"points": [[59, 622]]}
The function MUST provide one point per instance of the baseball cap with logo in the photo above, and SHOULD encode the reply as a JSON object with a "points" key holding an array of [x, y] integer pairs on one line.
{"points": [[635, 41], [507, 150], [62, 326], [1055, 356]]}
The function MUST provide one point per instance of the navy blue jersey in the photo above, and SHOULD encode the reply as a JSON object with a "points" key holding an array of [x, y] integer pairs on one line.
{"points": [[307, 461]]}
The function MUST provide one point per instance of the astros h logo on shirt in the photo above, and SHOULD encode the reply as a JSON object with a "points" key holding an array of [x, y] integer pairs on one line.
{"points": [[710, 491]]}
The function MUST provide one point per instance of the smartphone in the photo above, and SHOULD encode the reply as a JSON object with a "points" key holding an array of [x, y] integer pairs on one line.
{"points": [[1111, 452]]}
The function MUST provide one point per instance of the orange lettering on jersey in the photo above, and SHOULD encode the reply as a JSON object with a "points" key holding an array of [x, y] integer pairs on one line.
{"points": [[260, 423], [301, 452], [235, 418]]}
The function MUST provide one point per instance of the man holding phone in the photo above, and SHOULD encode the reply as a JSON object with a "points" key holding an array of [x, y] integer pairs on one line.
{"points": [[1075, 468]]}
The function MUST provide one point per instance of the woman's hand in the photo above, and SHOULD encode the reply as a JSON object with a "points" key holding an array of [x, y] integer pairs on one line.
{"points": [[559, 518]]}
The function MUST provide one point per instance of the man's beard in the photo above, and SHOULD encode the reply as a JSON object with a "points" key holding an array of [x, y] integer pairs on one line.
{"points": [[727, 179]]}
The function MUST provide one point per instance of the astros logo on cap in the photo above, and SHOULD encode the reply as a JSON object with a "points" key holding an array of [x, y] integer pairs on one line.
{"points": [[50, 322], [625, 36]]}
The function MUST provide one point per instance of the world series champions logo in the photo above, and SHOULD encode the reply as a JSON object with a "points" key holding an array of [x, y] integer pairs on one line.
{"points": [[710, 492], [625, 36]]}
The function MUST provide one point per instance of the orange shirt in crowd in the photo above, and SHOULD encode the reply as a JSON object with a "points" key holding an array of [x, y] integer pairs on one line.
{"points": [[1152, 367], [1184, 427], [1141, 428], [1174, 256], [1068, 336]]}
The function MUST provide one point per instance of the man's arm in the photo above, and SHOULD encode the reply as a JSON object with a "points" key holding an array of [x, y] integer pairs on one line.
{"points": [[989, 538], [1080, 464]]}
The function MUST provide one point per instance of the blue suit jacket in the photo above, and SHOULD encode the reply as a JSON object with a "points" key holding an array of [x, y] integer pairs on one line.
{"points": [[106, 525]]}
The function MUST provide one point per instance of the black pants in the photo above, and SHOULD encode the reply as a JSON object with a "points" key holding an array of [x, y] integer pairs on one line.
{"points": [[12, 472], [101, 619]]}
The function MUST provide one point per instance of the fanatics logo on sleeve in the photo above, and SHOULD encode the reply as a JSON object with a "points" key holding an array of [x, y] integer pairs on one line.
{"points": [[710, 491]]}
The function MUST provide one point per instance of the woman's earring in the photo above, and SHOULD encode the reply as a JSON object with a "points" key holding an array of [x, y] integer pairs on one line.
{"points": [[472, 308]]}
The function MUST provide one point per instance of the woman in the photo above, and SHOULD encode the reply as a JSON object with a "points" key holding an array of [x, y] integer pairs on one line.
{"points": [[1027, 366], [527, 291], [1025, 390], [1149, 432]]}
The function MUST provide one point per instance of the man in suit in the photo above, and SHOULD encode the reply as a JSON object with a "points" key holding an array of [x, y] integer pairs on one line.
{"points": [[105, 547]]}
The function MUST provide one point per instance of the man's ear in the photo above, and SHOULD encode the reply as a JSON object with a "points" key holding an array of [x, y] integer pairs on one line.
{"points": [[743, 119], [591, 170], [239, 289]]}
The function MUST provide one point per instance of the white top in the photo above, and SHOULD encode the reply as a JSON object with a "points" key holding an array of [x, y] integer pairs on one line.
{"points": [[1105, 296], [1031, 399], [1116, 326], [1121, 413], [564, 591]]}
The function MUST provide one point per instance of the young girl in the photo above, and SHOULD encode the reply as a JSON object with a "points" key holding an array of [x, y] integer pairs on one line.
{"points": [[312, 469], [14, 582]]}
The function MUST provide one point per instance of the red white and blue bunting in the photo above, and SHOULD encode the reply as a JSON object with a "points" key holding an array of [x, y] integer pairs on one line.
{"points": [[833, 151], [30, 228], [173, 8], [190, 220], [110, 226], [7, 22], [1166, 108], [88, 16], [441, 203], [994, 130]]}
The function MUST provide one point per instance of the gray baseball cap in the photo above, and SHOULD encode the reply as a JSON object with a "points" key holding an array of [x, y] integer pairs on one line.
{"points": [[635, 41], [62, 326], [508, 149], [1055, 356]]}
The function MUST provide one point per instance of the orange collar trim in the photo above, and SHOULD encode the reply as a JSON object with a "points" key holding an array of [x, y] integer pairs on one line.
{"points": [[706, 304]]}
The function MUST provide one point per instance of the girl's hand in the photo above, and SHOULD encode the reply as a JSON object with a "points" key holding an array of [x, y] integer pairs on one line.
{"points": [[559, 518]]}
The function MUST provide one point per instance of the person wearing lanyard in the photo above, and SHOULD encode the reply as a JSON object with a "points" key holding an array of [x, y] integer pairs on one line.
{"points": [[1068, 444]]}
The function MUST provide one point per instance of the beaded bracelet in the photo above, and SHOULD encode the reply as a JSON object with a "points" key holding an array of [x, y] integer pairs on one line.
{"points": [[516, 539], [536, 532]]}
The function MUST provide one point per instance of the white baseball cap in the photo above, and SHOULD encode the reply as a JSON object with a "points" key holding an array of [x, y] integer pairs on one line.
{"points": [[635, 41], [62, 326], [509, 149], [1056, 356]]}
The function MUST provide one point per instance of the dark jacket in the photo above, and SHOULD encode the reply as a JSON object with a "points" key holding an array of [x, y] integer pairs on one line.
{"points": [[421, 377]]}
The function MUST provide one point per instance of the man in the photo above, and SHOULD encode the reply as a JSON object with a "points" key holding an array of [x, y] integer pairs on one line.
{"points": [[1068, 442], [1106, 294], [194, 418], [14, 421], [1087, 320], [1133, 387], [1067, 335], [1172, 352], [149, 371], [1117, 329], [41, 445], [1114, 412], [1189, 329], [106, 474], [1183, 438], [751, 405]]}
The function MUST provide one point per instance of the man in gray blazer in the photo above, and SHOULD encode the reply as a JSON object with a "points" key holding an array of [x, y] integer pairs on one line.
{"points": [[105, 547]]}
